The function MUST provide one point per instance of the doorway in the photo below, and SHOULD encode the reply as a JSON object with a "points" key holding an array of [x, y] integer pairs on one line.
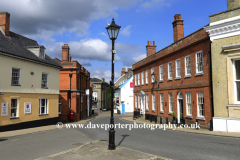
{"points": [[180, 106]]}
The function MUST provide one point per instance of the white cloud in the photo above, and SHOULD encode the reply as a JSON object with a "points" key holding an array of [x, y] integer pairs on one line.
{"points": [[103, 73], [139, 57], [103, 34], [126, 31]]}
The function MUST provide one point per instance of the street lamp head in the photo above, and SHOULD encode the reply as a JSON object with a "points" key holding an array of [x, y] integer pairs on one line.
{"points": [[153, 76], [113, 30]]}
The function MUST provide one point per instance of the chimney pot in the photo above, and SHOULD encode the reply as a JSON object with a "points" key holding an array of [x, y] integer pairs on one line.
{"points": [[148, 42]]}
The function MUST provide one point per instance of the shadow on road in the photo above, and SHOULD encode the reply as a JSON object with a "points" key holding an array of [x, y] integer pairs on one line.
{"points": [[3, 140], [124, 136]]}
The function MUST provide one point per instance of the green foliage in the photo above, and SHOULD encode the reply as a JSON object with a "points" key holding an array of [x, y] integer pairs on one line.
{"points": [[108, 92], [173, 114], [181, 115]]}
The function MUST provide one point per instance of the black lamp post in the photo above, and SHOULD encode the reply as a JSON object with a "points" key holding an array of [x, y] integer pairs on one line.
{"points": [[112, 30]]}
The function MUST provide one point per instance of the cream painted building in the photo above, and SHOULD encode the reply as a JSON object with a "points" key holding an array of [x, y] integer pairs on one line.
{"points": [[224, 32], [29, 81]]}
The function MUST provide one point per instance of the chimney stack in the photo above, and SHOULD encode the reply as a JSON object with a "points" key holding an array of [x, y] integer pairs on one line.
{"points": [[178, 27], [123, 71], [151, 48], [5, 22], [103, 80], [65, 53], [232, 4]]}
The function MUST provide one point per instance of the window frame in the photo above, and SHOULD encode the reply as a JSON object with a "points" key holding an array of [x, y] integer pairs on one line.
{"points": [[234, 81], [188, 103], [161, 73], [186, 69], [135, 79], [161, 102], [146, 76], [46, 106], [170, 78], [147, 102], [142, 77], [138, 79], [153, 102], [152, 71], [178, 70], [42, 81], [19, 78], [136, 100], [170, 99], [139, 102], [198, 105], [197, 64], [15, 107]]}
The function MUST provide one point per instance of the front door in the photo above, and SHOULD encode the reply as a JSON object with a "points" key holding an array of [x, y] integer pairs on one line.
{"points": [[123, 108], [181, 107]]}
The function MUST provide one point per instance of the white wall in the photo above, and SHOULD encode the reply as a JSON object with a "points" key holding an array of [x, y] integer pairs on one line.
{"points": [[127, 96], [29, 83]]}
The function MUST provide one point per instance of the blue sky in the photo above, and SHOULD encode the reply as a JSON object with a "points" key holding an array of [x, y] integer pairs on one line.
{"points": [[81, 24]]}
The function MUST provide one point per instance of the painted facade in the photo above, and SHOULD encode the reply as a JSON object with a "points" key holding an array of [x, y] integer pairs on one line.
{"points": [[224, 32], [29, 81]]}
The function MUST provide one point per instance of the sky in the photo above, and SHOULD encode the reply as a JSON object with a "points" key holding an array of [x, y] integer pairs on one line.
{"points": [[82, 25]]}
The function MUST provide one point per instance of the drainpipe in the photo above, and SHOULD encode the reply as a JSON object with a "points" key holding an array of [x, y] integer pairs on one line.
{"points": [[80, 97], [211, 84]]}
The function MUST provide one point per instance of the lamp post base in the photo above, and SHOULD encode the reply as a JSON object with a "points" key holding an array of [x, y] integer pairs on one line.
{"points": [[111, 145]]}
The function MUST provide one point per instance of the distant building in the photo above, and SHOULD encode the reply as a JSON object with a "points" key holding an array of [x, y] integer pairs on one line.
{"points": [[99, 95], [124, 91], [80, 83], [224, 32], [29, 81]]}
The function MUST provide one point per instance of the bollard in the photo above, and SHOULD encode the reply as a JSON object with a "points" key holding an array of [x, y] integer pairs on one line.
{"points": [[160, 120], [166, 120], [155, 119], [211, 125], [196, 124], [177, 122]]}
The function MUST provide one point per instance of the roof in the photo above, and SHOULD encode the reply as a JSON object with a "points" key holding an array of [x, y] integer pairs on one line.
{"points": [[96, 80], [125, 82], [16, 45]]}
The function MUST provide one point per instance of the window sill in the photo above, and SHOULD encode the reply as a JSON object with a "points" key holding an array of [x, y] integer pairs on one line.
{"points": [[153, 82], [162, 112], [177, 78], [169, 79], [153, 110], [198, 74], [161, 81], [200, 118], [187, 76], [147, 110], [43, 114], [44, 87], [16, 85], [14, 117], [188, 116], [170, 113], [146, 84]]}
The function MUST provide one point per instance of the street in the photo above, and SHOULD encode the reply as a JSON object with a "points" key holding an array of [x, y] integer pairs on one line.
{"points": [[165, 143]]}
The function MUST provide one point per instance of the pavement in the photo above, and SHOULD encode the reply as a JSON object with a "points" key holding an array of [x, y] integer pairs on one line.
{"points": [[189, 130], [99, 150]]}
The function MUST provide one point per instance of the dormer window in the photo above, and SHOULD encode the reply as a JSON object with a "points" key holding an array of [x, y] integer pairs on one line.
{"points": [[39, 51]]}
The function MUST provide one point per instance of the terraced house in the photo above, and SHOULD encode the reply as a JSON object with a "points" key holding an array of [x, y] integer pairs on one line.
{"points": [[29, 81], [175, 79]]}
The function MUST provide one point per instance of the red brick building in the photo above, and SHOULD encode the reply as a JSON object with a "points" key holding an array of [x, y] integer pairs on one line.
{"points": [[182, 81], [80, 82]]}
